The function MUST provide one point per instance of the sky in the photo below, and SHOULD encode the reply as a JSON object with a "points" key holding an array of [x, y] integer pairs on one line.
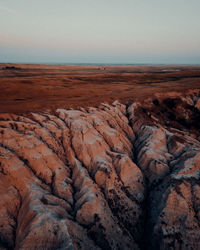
{"points": [[103, 31]]}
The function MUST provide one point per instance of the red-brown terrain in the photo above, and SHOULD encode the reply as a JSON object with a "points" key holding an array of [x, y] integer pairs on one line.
{"points": [[117, 175], [41, 87]]}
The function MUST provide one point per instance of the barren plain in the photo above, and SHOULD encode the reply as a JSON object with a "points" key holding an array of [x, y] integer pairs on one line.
{"points": [[39, 87]]}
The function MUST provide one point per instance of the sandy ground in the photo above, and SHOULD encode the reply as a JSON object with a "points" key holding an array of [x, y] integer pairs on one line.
{"points": [[27, 88]]}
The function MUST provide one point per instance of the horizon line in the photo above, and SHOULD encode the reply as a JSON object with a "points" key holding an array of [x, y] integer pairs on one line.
{"points": [[103, 64]]}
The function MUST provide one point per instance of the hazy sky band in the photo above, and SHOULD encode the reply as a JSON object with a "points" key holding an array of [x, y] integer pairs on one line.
{"points": [[123, 31]]}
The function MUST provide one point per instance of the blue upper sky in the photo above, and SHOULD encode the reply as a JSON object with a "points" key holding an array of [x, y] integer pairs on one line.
{"points": [[103, 31]]}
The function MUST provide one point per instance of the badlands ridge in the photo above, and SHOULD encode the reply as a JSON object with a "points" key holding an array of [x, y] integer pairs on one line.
{"points": [[108, 177]]}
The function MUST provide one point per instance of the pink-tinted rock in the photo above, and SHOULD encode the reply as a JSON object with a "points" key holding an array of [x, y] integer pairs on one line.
{"points": [[109, 177]]}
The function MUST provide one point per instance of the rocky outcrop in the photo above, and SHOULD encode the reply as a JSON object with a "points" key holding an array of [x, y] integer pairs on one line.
{"points": [[107, 177]]}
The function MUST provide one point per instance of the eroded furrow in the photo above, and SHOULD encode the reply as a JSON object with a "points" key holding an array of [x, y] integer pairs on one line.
{"points": [[170, 164], [109, 177]]}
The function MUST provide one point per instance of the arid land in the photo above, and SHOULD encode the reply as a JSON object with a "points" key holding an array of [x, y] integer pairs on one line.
{"points": [[79, 173], [46, 87]]}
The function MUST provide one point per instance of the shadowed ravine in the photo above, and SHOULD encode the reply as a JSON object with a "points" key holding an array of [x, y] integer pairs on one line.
{"points": [[106, 177]]}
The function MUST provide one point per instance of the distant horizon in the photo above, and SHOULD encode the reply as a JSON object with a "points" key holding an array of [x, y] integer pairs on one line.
{"points": [[103, 64]]}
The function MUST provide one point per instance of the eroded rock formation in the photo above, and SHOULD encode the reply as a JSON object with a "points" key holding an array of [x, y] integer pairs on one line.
{"points": [[110, 177]]}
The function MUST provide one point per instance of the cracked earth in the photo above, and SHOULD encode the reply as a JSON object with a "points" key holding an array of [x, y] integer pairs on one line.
{"points": [[108, 177]]}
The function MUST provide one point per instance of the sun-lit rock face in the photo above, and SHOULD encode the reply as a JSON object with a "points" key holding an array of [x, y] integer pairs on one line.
{"points": [[110, 177]]}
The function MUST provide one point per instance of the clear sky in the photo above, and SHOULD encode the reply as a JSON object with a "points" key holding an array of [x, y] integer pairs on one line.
{"points": [[103, 31]]}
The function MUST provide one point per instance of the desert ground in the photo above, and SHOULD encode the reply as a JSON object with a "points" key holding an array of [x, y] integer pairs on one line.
{"points": [[79, 173], [46, 87]]}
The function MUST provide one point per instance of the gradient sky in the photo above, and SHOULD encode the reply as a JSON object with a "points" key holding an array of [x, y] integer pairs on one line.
{"points": [[103, 31]]}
